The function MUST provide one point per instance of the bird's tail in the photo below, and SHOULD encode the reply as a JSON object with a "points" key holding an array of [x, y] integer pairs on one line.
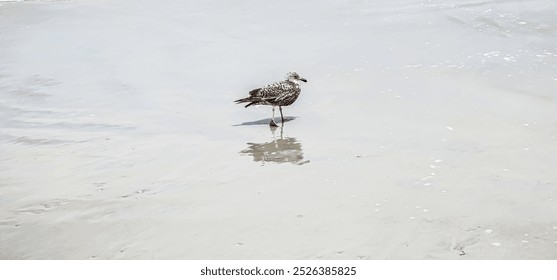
{"points": [[253, 99], [242, 100]]}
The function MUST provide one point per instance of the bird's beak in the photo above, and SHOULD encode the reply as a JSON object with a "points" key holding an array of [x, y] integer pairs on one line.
{"points": [[303, 80]]}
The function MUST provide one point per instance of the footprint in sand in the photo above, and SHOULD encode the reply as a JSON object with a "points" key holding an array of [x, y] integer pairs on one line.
{"points": [[42, 208]]}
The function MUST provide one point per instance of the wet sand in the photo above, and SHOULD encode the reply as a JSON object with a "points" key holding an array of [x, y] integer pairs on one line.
{"points": [[427, 130]]}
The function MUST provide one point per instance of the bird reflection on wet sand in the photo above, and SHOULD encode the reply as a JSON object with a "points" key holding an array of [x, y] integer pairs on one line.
{"points": [[281, 150]]}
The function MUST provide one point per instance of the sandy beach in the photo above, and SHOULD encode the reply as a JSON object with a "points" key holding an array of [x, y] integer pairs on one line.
{"points": [[427, 130]]}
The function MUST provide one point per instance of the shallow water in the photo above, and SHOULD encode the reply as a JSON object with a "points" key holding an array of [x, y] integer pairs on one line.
{"points": [[427, 129]]}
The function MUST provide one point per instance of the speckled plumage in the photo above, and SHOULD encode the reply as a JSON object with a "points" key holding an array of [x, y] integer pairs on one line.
{"points": [[280, 94]]}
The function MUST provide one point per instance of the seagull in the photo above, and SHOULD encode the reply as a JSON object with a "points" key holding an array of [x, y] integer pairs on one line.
{"points": [[279, 94]]}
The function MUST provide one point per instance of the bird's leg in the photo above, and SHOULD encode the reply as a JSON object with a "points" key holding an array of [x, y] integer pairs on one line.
{"points": [[281, 116], [273, 118]]}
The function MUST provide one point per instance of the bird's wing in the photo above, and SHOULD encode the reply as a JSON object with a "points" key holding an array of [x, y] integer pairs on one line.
{"points": [[275, 90]]}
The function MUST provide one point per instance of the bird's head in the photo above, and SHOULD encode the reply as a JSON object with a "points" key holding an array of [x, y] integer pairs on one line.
{"points": [[295, 78]]}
